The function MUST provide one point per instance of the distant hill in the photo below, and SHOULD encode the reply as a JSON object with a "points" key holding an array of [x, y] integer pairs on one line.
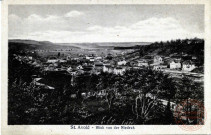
{"points": [[30, 42], [18, 44], [179, 47], [130, 47], [81, 45], [32, 45], [106, 45], [194, 47]]}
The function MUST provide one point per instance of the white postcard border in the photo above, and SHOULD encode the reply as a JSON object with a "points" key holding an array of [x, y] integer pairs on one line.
{"points": [[65, 129]]}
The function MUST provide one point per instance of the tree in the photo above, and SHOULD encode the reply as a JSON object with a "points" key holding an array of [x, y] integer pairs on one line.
{"points": [[58, 54], [22, 101], [144, 82], [185, 93], [110, 97], [143, 107]]}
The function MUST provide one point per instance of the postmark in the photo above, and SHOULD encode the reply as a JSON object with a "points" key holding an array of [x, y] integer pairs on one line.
{"points": [[190, 114]]}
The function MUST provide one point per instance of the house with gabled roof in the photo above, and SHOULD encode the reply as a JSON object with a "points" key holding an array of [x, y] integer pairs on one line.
{"points": [[108, 68], [158, 59], [119, 70], [175, 64], [188, 65]]}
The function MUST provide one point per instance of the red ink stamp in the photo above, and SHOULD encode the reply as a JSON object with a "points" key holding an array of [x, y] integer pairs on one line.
{"points": [[190, 114]]}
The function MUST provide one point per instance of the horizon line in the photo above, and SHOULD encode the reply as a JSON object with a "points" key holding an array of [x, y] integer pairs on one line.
{"points": [[106, 42]]}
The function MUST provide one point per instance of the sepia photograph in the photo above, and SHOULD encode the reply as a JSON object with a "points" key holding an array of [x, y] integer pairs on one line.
{"points": [[106, 64]]}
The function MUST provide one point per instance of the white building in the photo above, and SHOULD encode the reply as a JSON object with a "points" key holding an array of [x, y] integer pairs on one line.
{"points": [[175, 64], [52, 60], [92, 59], [159, 67], [119, 71], [87, 57], [108, 68], [120, 63], [30, 57], [158, 59], [62, 61], [188, 66], [98, 58]]}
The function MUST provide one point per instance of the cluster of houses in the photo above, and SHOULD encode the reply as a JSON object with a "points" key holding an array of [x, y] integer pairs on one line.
{"points": [[160, 62], [29, 60], [89, 64], [96, 64], [93, 64], [155, 62], [36, 81]]}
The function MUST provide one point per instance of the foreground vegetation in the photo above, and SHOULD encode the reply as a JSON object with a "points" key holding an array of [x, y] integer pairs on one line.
{"points": [[130, 99]]}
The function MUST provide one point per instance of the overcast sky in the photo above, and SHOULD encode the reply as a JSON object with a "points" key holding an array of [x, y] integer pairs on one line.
{"points": [[105, 23]]}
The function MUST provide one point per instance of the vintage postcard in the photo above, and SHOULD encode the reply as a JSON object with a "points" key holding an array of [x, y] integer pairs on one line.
{"points": [[106, 67]]}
